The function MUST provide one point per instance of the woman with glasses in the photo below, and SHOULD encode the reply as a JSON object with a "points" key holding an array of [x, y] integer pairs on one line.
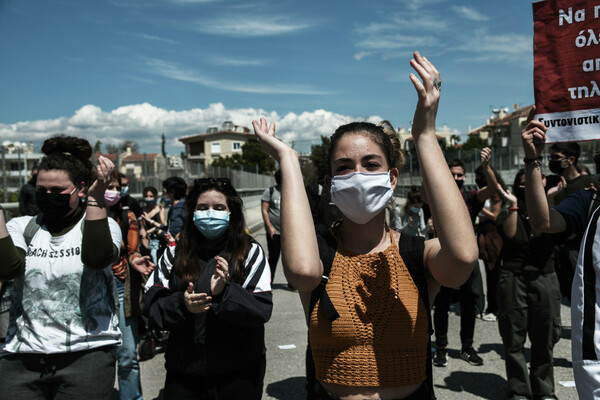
{"points": [[212, 292], [364, 287], [64, 318]]}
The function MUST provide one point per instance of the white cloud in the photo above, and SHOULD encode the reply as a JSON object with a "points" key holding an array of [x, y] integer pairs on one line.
{"points": [[510, 47], [173, 71], [250, 26], [236, 62], [470, 13], [396, 41], [359, 56], [155, 38], [145, 123]]}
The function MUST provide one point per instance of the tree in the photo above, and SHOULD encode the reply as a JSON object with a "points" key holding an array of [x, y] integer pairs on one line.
{"points": [[253, 155], [318, 157], [474, 142], [120, 148], [98, 146], [234, 161]]}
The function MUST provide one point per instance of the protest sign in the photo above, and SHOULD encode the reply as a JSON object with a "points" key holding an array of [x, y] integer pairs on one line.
{"points": [[566, 47]]}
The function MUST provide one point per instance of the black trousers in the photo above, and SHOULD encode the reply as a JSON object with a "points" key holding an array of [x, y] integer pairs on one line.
{"points": [[88, 374], [243, 384], [274, 249], [467, 314], [529, 304]]}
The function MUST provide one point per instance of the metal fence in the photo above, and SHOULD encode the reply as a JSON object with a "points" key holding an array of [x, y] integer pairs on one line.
{"points": [[240, 179]]}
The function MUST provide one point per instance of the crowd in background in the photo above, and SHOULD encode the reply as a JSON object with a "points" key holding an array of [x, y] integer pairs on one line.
{"points": [[89, 270]]}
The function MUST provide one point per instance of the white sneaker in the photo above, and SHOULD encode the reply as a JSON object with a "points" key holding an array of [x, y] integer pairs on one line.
{"points": [[489, 317]]}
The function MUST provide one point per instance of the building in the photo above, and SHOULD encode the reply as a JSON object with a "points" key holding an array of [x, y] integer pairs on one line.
{"points": [[502, 131], [17, 162], [202, 149]]}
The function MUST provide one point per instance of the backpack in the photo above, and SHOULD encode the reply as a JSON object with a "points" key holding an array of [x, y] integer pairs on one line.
{"points": [[411, 250]]}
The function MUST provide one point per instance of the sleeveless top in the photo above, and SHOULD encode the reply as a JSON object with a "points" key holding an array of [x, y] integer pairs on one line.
{"points": [[381, 336]]}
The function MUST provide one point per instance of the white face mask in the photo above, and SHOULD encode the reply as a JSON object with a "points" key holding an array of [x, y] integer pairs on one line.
{"points": [[361, 196]]}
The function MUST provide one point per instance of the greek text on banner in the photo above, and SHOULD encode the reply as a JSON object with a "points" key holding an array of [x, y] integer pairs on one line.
{"points": [[567, 68]]}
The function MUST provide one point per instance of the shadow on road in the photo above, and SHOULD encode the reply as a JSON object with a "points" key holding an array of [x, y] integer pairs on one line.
{"points": [[481, 385], [288, 389]]}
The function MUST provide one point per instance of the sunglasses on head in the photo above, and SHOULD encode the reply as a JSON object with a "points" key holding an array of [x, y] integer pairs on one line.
{"points": [[212, 181]]}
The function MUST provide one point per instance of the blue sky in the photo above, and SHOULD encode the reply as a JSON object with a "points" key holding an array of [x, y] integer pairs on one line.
{"points": [[133, 69]]}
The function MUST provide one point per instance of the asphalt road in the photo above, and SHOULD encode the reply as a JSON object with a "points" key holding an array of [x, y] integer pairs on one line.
{"points": [[286, 345]]}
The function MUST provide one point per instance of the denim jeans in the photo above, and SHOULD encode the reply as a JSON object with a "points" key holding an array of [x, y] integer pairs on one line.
{"points": [[128, 369], [153, 246]]}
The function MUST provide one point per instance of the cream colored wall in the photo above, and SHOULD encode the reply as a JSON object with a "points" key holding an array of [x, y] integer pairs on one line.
{"points": [[226, 148]]}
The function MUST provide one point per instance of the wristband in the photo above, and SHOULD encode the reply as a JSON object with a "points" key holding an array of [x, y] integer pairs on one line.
{"points": [[533, 161], [95, 204], [513, 208]]}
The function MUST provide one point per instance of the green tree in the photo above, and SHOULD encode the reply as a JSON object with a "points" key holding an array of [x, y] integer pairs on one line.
{"points": [[318, 156], [121, 147], [474, 142], [235, 161], [98, 146], [253, 155]]}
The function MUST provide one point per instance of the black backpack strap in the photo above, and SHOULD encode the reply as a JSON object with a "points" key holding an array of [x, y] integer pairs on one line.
{"points": [[327, 246], [411, 251], [32, 227]]}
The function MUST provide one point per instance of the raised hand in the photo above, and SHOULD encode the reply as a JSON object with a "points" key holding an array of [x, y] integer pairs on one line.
{"points": [[486, 155], [428, 89], [507, 195], [269, 143], [104, 172], [196, 302], [533, 136], [219, 278]]}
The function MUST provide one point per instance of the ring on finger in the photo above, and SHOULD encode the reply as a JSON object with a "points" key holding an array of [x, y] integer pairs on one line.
{"points": [[437, 83]]}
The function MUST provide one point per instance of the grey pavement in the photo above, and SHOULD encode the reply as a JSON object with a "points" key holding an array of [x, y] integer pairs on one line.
{"points": [[285, 339]]}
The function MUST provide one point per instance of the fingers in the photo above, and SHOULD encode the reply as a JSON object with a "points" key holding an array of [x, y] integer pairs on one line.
{"points": [[190, 288], [530, 116]]}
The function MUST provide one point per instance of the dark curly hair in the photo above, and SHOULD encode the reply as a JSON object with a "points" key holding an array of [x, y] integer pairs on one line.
{"points": [[70, 154]]}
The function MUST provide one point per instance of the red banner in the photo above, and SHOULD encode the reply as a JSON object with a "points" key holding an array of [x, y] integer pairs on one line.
{"points": [[566, 47]]}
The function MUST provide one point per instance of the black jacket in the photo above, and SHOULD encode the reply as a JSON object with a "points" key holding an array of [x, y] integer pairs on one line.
{"points": [[230, 335]]}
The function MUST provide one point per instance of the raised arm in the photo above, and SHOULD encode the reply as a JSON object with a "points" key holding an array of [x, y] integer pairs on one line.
{"points": [[541, 217], [510, 225], [98, 250], [451, 257], [490, 188], [299, 250]]}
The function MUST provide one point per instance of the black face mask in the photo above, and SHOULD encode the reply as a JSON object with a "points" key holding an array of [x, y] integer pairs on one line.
{"points": [[54, 206], [459, 183], [556, 166]]}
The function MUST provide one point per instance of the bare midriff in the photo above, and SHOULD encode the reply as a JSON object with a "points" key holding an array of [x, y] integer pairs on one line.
{"points": [[360, 393]]}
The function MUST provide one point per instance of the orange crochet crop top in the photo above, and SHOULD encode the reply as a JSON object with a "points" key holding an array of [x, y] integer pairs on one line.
{"points": [[381, 336]]}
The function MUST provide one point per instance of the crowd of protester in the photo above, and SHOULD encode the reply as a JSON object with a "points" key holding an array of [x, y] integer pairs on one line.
{"points": [[88, 268]]}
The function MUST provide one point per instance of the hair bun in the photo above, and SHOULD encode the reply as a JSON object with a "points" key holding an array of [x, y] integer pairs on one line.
{"points": [[68, 145]]}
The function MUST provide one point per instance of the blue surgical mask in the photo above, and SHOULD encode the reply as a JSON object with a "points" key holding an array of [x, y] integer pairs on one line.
{"points": [[150, 201], [212, 224], [124, 191], [415, 210], [166, 201]]}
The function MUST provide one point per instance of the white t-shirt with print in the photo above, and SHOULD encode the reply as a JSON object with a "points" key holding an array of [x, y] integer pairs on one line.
{"points": [[60, 305]]}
